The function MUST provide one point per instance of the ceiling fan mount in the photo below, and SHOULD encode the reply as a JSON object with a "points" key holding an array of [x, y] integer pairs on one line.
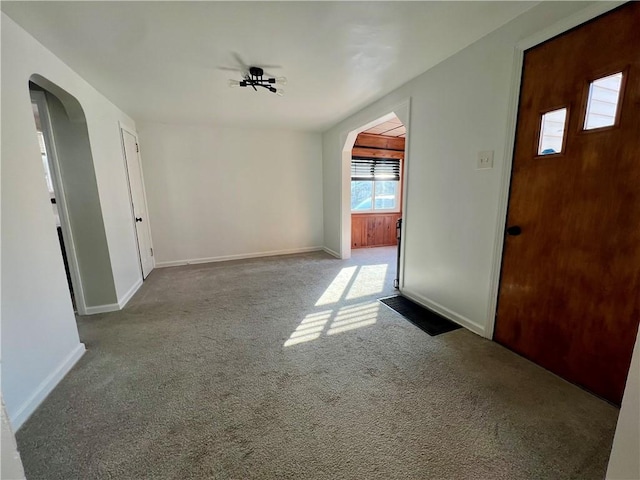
{"points": [[254, 77]]}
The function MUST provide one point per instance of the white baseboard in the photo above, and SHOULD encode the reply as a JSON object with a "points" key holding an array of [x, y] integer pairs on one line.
{"points": [[45, 388], [331, 252], [110, 307], [127, 296], [242, 256], [445, 312], [114, 307]]}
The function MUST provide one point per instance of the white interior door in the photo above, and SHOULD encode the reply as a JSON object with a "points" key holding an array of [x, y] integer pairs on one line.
{"points": [[138, 200]]}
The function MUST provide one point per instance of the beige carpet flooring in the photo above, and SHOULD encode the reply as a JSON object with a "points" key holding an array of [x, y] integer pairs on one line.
{"points": [[288, 368]]}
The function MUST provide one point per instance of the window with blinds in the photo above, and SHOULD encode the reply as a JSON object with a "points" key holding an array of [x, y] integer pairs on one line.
{"points": [[375, 169], [375, 184]]}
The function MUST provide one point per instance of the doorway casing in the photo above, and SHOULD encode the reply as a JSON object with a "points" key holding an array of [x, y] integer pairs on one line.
{"points": [[73, 175], [38, 97], [347, 140], [139, 209]]}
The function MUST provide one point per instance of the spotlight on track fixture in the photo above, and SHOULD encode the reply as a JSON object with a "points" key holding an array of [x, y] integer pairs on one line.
{"points": [[255, 78]]}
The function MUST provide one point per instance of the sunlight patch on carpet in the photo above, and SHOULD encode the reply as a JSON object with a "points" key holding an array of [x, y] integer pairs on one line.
{"points": [[369, 281], [332, 322], [336, 289], [310, 328]]}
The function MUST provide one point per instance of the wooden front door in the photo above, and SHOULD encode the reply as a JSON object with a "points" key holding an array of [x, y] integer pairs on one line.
{"points": [[570, 284]]}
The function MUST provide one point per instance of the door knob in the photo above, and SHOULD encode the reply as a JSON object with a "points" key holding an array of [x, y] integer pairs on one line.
{"points": [[514, 230], [138, 219]]}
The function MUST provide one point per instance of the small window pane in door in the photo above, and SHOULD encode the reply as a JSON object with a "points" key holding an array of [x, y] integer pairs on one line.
{"points": [[552, 128], [602, 106]]}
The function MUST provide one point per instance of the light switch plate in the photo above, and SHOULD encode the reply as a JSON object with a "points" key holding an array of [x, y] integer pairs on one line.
{"points": [[485, 160]]}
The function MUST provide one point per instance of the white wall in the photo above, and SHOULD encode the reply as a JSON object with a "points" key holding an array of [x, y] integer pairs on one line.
{"points": [[39, 335], [458, 108], [624, 463], [10, 463], [216, 193]]}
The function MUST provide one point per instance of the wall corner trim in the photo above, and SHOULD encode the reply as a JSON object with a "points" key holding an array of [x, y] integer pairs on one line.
{"points": [[122, 302], [333, 253], [109, 307], [445, 312], [114, 307], [45, 388]]}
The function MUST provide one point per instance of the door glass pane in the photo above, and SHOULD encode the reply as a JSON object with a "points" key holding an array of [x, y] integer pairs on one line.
{"points": [[552, 132], [361, 194], [602, 106]]}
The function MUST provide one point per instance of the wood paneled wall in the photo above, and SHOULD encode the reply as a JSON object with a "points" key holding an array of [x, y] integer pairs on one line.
{"points": [[373, 229]]}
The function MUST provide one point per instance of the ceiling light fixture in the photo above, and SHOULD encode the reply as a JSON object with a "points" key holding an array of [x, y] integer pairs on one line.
{"points": [[255, 78]]}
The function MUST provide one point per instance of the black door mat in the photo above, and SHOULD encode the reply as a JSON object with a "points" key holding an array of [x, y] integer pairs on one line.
{"points": [[424, 319]]}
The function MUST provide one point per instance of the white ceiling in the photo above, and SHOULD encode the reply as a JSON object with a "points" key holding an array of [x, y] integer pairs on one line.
{"points": [[158, 60]]}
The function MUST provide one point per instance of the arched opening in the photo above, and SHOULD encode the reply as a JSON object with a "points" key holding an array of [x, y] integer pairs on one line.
{"points": [[401, 114], [69, 171]]}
